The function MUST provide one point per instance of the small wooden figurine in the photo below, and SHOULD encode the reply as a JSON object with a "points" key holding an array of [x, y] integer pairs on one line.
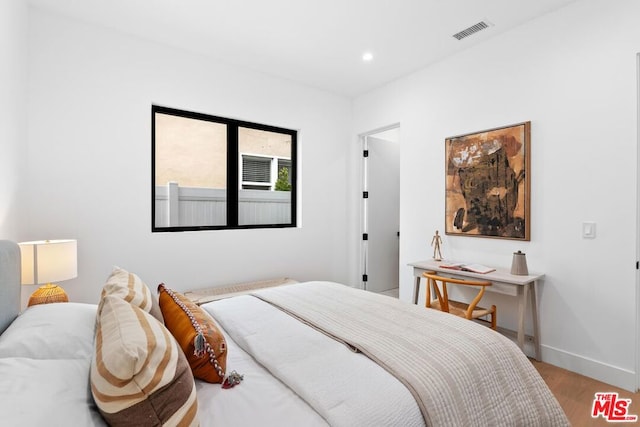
{"points": [[436, 242]]}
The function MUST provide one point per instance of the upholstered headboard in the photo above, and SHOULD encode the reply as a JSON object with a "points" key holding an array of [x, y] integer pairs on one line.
{"points": [[9, 283]]}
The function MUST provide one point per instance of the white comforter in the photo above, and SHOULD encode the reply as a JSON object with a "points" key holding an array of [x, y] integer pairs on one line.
{"points": [[432, 368], [260, 400], [345, 388]]}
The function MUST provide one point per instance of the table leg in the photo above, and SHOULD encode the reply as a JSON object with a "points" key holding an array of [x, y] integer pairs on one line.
{"points": [[534, 313], [522, 305], [416, 290]]}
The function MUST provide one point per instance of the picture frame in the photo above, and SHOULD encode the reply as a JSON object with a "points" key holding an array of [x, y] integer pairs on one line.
{"points": [[488, 183]]}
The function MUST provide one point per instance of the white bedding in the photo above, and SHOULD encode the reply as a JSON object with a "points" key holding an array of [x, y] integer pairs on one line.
{"points": [[346, 388], [460, 373], [46, 392], [297, 376], [260, 400], [45, 359], [51, 331], [45, 355]]}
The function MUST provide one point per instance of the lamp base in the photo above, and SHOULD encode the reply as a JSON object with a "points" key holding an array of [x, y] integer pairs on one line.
{"points": [[47, 294]]}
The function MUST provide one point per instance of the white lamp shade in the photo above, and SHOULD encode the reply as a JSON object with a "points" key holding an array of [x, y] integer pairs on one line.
{"points": [[47, 261]]}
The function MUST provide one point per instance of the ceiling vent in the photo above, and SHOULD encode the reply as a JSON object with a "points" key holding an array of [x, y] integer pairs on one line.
{"points": [[472, 30]]}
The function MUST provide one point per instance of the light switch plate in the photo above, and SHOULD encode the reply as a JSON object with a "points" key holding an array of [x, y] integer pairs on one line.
{"points": [[589, 230]]}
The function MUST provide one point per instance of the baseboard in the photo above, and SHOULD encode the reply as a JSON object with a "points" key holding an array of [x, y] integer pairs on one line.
{"points": [[608, 374]]}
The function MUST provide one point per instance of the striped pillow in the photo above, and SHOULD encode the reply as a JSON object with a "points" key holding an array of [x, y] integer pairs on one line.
{"points": [[132, 289], [139, 375]]}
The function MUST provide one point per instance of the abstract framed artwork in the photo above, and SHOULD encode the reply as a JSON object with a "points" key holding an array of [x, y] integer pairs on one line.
{"points": [[488, 183]]}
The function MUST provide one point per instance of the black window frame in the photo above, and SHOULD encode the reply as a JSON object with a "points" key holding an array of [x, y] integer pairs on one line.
{"points": [[233, 181]]}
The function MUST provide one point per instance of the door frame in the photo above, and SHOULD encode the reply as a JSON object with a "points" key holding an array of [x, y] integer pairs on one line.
{"points": [[637, 330], [363, 247]]}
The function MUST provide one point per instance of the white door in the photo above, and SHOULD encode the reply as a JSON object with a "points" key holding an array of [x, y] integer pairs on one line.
{"points": [[383, 211]]}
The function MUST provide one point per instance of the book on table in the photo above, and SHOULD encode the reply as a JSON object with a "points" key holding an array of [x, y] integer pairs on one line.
{"points": [[462, 266]]}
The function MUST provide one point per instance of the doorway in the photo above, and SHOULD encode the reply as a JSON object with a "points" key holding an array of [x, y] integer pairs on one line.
{"points": [[637, 331], [381, 210]]}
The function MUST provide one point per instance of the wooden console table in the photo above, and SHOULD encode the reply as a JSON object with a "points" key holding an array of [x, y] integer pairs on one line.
{"points": [[503, 282]]}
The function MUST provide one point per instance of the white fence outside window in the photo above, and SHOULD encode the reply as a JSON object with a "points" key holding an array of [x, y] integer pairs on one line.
{"points": [[177, 206]]}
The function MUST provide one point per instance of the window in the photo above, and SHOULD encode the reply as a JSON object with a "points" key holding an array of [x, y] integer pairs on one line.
{"points": [[264, 173], [211, 172], [256, 172]]}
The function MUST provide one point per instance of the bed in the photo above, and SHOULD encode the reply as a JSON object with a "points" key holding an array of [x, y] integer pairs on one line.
{"points": [[312, 354]]}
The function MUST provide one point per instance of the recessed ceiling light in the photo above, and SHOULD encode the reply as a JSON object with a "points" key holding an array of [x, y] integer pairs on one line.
{"points": [[367, 56]]}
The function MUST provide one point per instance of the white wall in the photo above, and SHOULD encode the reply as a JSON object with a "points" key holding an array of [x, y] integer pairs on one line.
{"points": [[573, 75], [89, 171], [13, 87]]}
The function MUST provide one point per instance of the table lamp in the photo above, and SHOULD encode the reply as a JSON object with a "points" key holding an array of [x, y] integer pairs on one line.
{"points": [[48, 261]]}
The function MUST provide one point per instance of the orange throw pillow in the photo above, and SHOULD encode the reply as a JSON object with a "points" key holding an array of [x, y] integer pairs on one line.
{"points": [[196, 333]]}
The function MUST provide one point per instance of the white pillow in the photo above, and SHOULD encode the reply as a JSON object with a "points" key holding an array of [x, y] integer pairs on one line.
{"points": [[51, 331], [36, 392]]}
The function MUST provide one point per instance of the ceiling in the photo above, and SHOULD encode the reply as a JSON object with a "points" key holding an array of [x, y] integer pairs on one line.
{"points": [[313, 42]]}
